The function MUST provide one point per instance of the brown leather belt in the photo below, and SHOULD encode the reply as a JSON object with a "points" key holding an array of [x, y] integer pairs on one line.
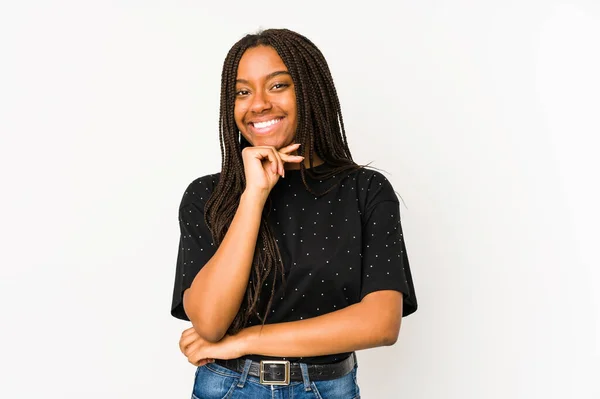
{"points": [[281, 372]]}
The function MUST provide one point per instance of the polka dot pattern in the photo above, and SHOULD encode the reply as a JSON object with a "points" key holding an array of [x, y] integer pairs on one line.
{"points": [[336, 248]]}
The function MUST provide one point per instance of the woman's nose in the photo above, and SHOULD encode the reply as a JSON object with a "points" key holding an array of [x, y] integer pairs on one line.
{"points": [[260, 102]]}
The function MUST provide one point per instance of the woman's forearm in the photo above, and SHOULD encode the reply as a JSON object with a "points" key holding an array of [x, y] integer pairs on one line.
{"points": [[215, 295], [371, 323]]}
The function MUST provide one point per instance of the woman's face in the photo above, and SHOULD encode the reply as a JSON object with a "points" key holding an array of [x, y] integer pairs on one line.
{"points": [[265, 102]]}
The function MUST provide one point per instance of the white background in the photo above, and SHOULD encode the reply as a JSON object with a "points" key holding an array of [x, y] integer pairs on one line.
{"points": [[484, 115]]}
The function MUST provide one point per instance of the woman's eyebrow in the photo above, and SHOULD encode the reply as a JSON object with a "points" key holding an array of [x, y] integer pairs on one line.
{"points": [[269, 76]]}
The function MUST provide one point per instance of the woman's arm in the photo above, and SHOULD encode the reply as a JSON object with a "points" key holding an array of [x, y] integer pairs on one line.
{"points": [[373, 322], [214, 298], [217, 291]]}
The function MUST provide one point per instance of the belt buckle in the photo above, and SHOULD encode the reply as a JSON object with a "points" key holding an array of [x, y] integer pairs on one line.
{"points": [[286, 377]]}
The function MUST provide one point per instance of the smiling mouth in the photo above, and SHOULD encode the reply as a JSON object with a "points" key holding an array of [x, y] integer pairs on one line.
{"points": [[262, 125], [266, 126]]}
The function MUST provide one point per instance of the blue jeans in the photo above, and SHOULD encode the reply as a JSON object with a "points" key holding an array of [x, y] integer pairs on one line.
{"points": [[213, 381]]}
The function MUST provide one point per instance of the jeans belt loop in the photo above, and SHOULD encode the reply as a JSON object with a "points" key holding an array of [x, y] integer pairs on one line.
{"points": [[305, 377], [244, 374]]}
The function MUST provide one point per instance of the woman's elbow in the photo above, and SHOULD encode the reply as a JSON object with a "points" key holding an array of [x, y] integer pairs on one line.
{"points": [[208, 334], [206, 327], [391, 337], [391, 332]]}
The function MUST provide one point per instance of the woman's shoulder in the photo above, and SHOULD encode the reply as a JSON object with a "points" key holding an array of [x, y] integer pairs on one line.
{"points": [[199, 190], [373, 184]]}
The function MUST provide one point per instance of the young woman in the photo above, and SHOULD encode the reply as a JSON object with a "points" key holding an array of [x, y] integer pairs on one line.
{"points": [[287, 263]]}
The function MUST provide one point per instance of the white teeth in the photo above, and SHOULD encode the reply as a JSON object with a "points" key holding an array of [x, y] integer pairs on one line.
{"points": [[262, 125]]}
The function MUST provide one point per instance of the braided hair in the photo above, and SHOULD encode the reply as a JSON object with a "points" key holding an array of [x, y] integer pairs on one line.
{"points": [[320, 129]]}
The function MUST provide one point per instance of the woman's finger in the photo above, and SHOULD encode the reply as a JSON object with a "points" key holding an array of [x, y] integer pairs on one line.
{"points": [[204, 361], [280, 168], [289, 148], [188, 331], [196, 355], [275, 159], [193, 349], [291, 158], [267, 153], [184, 342]]}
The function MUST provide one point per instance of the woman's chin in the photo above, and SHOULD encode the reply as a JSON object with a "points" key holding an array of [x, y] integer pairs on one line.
{"points": [[270, 142]]}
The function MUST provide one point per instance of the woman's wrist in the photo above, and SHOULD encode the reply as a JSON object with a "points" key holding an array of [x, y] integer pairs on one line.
{"points": [[255, 196], [244, 340]]}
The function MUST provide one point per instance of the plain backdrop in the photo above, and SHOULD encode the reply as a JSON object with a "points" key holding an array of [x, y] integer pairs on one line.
{"points": [[483, 115]]}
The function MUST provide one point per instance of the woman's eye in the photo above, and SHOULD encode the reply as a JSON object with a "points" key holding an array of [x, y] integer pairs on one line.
{"points": [[241, 92], [279, 85]]}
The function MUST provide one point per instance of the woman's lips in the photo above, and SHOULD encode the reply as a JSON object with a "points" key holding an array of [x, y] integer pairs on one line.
{"points": [[265, 127]]}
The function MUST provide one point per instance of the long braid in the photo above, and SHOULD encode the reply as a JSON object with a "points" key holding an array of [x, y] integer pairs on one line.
{"points": [[320, 130], [331, 138]]}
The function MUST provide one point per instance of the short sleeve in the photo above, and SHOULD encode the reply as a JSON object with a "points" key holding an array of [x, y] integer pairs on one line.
{"points": [[196, 246], [385, 263]]}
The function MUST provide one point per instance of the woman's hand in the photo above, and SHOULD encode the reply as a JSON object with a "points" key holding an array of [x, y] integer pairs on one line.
{"points": [[199, 351], [264, 164]]}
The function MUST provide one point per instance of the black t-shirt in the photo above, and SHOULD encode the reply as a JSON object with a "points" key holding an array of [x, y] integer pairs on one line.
{"points": [[335, 248]]}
